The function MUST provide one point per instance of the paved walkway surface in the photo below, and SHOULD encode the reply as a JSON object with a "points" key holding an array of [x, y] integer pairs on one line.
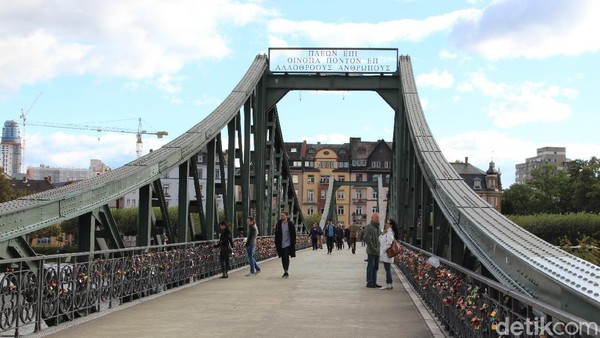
{"points": [[325, 296]]}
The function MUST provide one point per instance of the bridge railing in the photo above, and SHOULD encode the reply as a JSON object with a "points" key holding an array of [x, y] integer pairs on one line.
{"points": [[75, 285], [470, 305]]}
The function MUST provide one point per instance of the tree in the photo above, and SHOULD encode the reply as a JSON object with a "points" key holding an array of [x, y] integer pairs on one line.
{"points": [[550, 189], [309, 220], [7, 193], [584, 183], [517, 200]]}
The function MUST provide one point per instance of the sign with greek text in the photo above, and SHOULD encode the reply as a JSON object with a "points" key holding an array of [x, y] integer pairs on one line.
{"points": [[333, 60]]}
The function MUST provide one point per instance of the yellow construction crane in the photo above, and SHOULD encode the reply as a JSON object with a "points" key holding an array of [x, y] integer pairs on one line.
{"points": [[138, 133]]}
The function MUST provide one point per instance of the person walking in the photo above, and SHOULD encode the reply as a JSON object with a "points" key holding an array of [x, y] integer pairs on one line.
{"points": [[251, 246], [285, 241], [315, 232], [330, 233], [390, 232], [225, 244], [353, 237], [372, 241]]}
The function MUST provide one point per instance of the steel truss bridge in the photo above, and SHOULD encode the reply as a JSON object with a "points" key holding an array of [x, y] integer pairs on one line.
{"points": [[456, 223]]}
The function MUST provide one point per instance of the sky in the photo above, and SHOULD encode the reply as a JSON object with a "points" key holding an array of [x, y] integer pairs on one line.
{"points": [[496, 79]]}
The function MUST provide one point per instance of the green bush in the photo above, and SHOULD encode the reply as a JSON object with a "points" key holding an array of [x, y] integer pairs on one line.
{"points": [[553, 227]]}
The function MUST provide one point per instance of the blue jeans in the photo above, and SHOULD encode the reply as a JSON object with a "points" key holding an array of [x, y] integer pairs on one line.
{"points": [[388, 272], [372, 267], [251, 261]]}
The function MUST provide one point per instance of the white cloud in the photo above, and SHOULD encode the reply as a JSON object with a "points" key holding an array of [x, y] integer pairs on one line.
{"points": [[516, 104], [436, 79], [481, 147], [114, 38], [444, 54], [74, 150], [363, 34], [509, 29]]}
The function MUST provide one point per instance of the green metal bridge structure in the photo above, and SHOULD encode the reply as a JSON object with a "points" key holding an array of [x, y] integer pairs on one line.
{"points": [[457, 225]]}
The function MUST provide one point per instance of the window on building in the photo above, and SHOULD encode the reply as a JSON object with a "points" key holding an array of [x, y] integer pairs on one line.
{"points": [[359, 194], [375, 209], [309, 164], [326, 164], [295, 179], [43, 240], [293, 150], [477, 183], [344, 164], [200, 173], [323, 194], [311, 179], [324, 179], [310, 211], [374, 194], [311, 150], [341, 178], [387, 179], [200, 158], [322, 211], [310, 195], [359, 210], [297, 164], [166, 189], [376, 164], [341, 194], [359, 177], [386, 164], [359, 163], [217, 174], [340, 210]]}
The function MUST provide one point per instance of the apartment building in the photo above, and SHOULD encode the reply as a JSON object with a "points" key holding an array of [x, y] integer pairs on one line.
{"points": [[555, 156], [315, 166]]}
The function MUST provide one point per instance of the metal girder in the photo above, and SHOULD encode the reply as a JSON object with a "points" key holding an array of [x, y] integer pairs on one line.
{"points": [[196, 205], [211, 210], [183, 204], [164, 210]]}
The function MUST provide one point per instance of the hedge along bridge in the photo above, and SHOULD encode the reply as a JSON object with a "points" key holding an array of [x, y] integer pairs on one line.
{"points": [[456, 223]]}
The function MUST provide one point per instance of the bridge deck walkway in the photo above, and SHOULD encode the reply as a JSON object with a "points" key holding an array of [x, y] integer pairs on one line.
{"points": [[325, 296]]}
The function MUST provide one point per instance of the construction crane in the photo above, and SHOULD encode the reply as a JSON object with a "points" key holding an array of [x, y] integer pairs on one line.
{"points": [[23, 117], [138, 133]]}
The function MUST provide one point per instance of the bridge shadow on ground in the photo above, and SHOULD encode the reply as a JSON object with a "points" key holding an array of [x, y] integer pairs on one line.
{"points": [[325, 296]]}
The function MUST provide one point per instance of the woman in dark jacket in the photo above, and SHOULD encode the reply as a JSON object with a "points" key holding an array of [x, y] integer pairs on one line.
{"points": [[225, 245]]}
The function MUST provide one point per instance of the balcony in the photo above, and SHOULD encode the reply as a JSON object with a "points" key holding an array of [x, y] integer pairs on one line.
{"points": [[359, 217], [359, 201]]}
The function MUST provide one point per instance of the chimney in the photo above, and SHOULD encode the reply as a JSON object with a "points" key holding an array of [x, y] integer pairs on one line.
{"points": [[49, 179], [303, 149], [466, 159]]}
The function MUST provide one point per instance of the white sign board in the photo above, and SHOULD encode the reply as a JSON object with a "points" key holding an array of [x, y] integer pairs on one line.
{"points": [[333, 60]]}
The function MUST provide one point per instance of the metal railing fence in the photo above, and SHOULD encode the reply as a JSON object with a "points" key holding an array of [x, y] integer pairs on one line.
{"points": [[75, 285], [470, 305]]}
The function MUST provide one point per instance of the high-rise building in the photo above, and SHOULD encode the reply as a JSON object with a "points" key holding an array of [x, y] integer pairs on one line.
{"points": [[11, 148], [555, 156]]}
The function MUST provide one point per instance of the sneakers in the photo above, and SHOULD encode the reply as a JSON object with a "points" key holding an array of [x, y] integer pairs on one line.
{"points": [[257, 272], [285, 275], [386, 287], [371, 285]]}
